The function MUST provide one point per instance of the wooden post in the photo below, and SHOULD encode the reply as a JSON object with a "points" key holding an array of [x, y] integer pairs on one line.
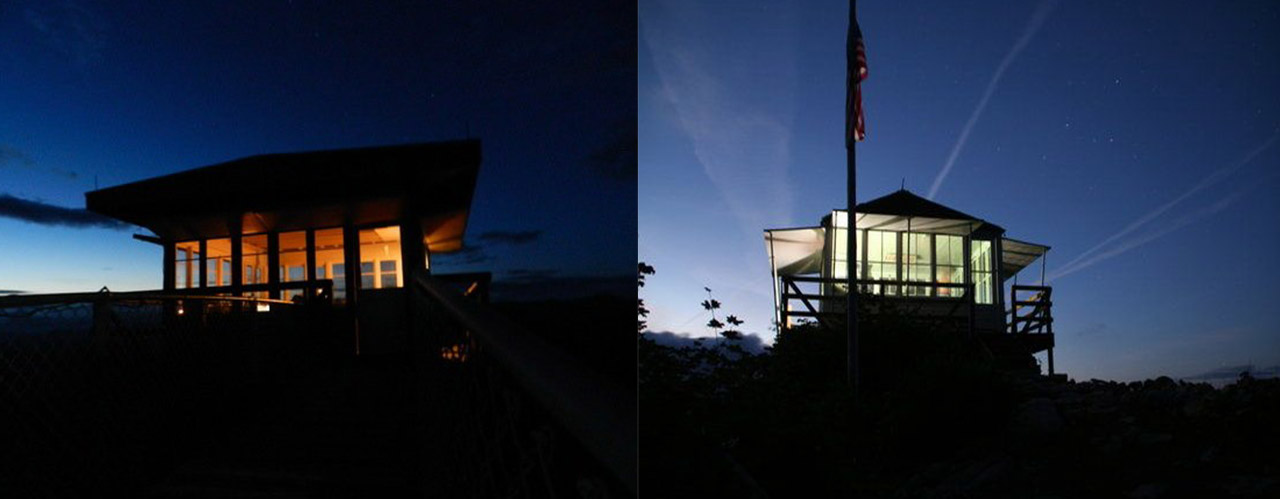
{"points": [[971, 292], [413, 264], [311, 263], [351, 258], [1051, 361], [169, 308], [170, 275], [237, 260], [273, 265], [204, 263]]}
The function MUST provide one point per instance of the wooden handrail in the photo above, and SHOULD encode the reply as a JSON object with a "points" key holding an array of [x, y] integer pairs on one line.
{"points": [[600, 415], [1040, 317], [790, 291]]}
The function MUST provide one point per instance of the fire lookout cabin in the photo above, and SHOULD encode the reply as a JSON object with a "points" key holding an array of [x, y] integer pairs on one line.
{"points": [[924, 260], [349, 227]]}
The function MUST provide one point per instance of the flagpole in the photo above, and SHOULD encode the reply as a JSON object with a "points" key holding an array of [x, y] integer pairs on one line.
{"points": [[851, 232]]}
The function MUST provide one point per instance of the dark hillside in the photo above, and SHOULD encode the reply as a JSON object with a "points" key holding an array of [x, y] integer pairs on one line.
{"points": [[937, 419]]}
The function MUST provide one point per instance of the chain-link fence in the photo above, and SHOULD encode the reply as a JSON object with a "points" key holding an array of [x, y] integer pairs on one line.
{"points": [[99, 393]]}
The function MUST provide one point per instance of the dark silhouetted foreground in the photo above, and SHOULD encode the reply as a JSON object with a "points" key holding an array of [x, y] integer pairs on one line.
{"points": [[939, 420]]}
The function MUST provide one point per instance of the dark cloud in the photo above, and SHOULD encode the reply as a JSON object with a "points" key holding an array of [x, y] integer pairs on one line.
{"points": [[70, 29], [12, 292], [616, 158], [47, 214], [749, 342], [1232, 372], [531, 274], [469, 254], [546, 285], [511, 237], [10, 155]]}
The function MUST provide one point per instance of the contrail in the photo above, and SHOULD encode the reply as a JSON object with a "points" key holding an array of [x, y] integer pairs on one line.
{"points": [[1037, 20], [1185, 220], [1210, 180]]}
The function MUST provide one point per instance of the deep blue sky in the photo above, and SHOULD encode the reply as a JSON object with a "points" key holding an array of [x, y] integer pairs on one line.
{"points": [[124, 91], [1143, 129]]}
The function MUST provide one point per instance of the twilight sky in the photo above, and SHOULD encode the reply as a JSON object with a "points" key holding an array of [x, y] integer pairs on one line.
{"points": [[124, 90], [1138, 139]]}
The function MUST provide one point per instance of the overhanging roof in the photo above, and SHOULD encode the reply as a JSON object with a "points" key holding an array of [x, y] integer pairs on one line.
{"points": [[1016, 255], [903, 210], [795, 251], [431, 182]]}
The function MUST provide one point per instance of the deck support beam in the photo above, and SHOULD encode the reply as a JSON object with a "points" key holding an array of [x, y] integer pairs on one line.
{"points": [[413, 258], [204, 263], [273, 264], [351, 257], [170, 274], [311, 263], [234, 227]]}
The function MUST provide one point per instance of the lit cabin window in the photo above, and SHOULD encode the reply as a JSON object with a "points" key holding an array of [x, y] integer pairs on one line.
{"points": [[980, 262], [387, 274], [293, 261], [253, 252], [380, 258], [329, 261], [950, 255], [367, 276], [839, 256], [882, 259], [917, 262], [218, 262], [187, 273]]}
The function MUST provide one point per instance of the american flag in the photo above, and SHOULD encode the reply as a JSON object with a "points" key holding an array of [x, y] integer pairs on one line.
{"points": [[855, 126]]}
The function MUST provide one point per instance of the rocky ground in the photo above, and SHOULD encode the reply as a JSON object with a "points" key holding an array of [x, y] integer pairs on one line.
{"points": [[1152, 439]]}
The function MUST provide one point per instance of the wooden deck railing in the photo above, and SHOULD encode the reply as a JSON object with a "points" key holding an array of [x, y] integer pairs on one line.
{"points": [[1031, 309], [958, 295]]}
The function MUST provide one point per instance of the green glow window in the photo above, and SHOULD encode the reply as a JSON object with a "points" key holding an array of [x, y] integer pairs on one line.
{"points": [[980, 257], [918, 262], [950, 267], [882, 259]]}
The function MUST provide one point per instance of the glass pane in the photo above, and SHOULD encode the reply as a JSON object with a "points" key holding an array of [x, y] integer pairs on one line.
{"points": [[380, 250], [949, 250], [187, 265], [980, 261], [253, 252], [980, 256], [329, 261], [919, 248], [293, 261]]}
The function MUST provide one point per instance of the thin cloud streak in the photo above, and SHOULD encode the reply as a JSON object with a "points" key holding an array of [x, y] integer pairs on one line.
{"points": [[1033, 26], [10, 155], [1210, 180], [742, 142], [1179, 223]]}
